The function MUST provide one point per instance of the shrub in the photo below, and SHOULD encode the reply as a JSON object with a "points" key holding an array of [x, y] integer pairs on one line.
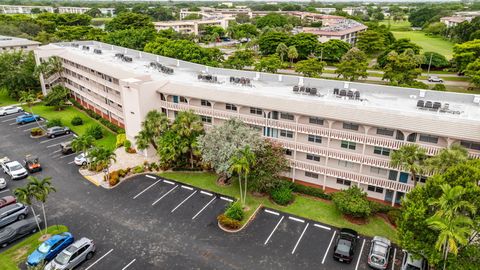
{"points": [[96, 116], [282, 193], [394, 215], [95, 131], [138, 169], [228, 222], [439, 87], [121, 140], [154, 166], [127, 144], [235, 211], [36, 132], [77, 121], [353, 202], [377, 207], [311, 191], [131, 150], [54, 123], [113, 178]]}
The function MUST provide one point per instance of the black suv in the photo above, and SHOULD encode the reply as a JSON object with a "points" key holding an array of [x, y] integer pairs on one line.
{"points": [[345, 245], [57, 131]]}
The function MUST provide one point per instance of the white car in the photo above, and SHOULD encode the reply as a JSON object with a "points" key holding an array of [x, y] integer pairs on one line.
{"points": [[3, 183], [10, 110], [81, 160], [15, 170]]}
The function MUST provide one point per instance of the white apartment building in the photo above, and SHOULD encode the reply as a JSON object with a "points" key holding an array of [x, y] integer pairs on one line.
{"points": [[14, 43], [193, 26], [354, 10], [207, 12], [326, 10], [11, 9], [343, 29], [335, 134]]}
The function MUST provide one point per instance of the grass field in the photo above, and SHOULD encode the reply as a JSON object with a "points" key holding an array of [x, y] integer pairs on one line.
{"points": [[5, 99], [16, 255], [303, 206], [66, 115]]}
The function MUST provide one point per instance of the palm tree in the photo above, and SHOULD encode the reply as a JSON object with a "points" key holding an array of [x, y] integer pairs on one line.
{"points": [[82, 143], [411, 158], [188, 127], [29, 97], [101, 156], [155, 124], [40, 189], [292, 54], [282, 50], [242, 162], [451, 204], [24, 195], [447, 157], [50, 67], [452, 233]]}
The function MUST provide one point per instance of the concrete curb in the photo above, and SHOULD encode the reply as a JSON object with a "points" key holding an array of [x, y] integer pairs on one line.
{"points": [[96, 183], [244, 225]]}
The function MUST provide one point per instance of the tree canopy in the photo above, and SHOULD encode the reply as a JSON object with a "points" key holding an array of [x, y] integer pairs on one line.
{"points": [[402, 69], [131, 38], [332, 50], [17, 73], [129, 20], [311, 67], [353, 65]]}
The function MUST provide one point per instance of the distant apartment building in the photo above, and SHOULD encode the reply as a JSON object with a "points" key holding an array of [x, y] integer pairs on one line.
{"points": [[193, 26], [207, 12], [326, 10], [12, 9], [354, 10], [16, 44], [454, 21], [343, 29], [82, 10], [335, 134]]}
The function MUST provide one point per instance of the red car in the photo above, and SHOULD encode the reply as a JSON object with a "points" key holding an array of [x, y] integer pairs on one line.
{"points": [[7, 200]]}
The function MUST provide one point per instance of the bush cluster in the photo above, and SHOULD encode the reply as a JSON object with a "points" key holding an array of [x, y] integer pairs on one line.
{"points": [[131, 150], [36, 131], [95, 131], [114, 178], [228, 222], [377, 207], [352, 202], [394, 215], [282, 194], [77, 121], [235, 211], [311, 191], [121, 140], [96, 116], [138, 169], [55, 122]]}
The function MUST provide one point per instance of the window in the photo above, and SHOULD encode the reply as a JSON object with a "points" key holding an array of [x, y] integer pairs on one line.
{"points": [[344, 182], [375, 189], [313, 157], [288, 152], [287, 116], [350, 126], [256, 111], [314, 138], [311, 175], [381, 151], [230, 107], [206, 119], [377, 170], [385, 131], [286, 133], [421, 178], [470, 145], [346, 164], [204, 102], [315, 120], [428, 138], [184, 100], [348, 145]]}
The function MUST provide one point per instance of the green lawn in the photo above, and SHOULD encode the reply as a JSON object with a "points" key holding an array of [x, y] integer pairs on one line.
{"points": [[303, 206], [5, 99], [66, 115], [397, 26], [15, 255]]}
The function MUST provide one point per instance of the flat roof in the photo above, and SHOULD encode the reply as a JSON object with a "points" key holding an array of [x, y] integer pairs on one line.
{"points": [[6, 41], [399, 102]]}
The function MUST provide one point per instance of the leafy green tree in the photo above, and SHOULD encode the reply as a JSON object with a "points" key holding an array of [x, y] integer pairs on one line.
{"points": [[282, 51], [353, 202], [399, 46], [69, 33], [402, 69], [332, 50], [466, 53], [242, 164], [446, 158], [57, 97], [131, 38], [436, 28], [242, 18], [40, 189], [244, 30], [101, 157], [17, 73], [438, 60], [220, 143], [311, 67], [161, 14], [52, 66], [271, 20], [25, 196], [292, 54], [270, 164], [370, 41], [473, 71], [269, 64], [304, 43], [154, 125], [188, 126], [94, 13], [82, 143], [411, 158], [240, 59], [269, 41], [419, 17], [465, 31], [353, 65], [128, 20]]}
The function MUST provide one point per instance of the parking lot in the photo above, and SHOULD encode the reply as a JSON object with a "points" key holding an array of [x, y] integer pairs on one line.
{"points": [[152, 223]]}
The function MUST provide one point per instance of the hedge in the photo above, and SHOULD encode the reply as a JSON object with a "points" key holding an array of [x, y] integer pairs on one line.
{"points": [[96, 116], [311, 191]]}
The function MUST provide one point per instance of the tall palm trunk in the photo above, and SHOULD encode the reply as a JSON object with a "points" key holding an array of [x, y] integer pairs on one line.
{"points": [[36, 219], [445, 255], [240, 185], [245, 189], [44, 217], [191, 159]]}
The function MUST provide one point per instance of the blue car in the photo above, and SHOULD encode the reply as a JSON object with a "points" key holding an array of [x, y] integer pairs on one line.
{"points": [[50, 248], [26, 118]]}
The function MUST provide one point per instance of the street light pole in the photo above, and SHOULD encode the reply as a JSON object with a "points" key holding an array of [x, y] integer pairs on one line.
{"points": [[430, 63]]}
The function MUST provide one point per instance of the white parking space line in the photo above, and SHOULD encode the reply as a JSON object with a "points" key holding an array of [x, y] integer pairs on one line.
{"points": [[14, 123], [272, 212], [68, 155], [6, 190], [104, 255], [329, 245], [360, 255], [193, 193], [71, 162], [206, 205], [147, 188], [149, 176], [274, 229], [8, 120], [169, 182], [226, 199], [393, 259], [62, 137], [56, 151], [187, 187], [53, 145], [296, 219], [155, 202], [206, 193], [323, 227], [300, 238], [130, 263]]}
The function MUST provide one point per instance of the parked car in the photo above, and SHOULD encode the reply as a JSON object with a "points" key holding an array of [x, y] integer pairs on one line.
{"points": [[379, 253], [66, 148], [50, 248], [409, 263], [27, 118], [4, 161], [82, 159], [10, 110], [32, 164], [73, 255], [15, 170], [3, 183], [18, 230], [57, 131], [12, 213], [7, 200], [345, 245], [434, 79]]}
